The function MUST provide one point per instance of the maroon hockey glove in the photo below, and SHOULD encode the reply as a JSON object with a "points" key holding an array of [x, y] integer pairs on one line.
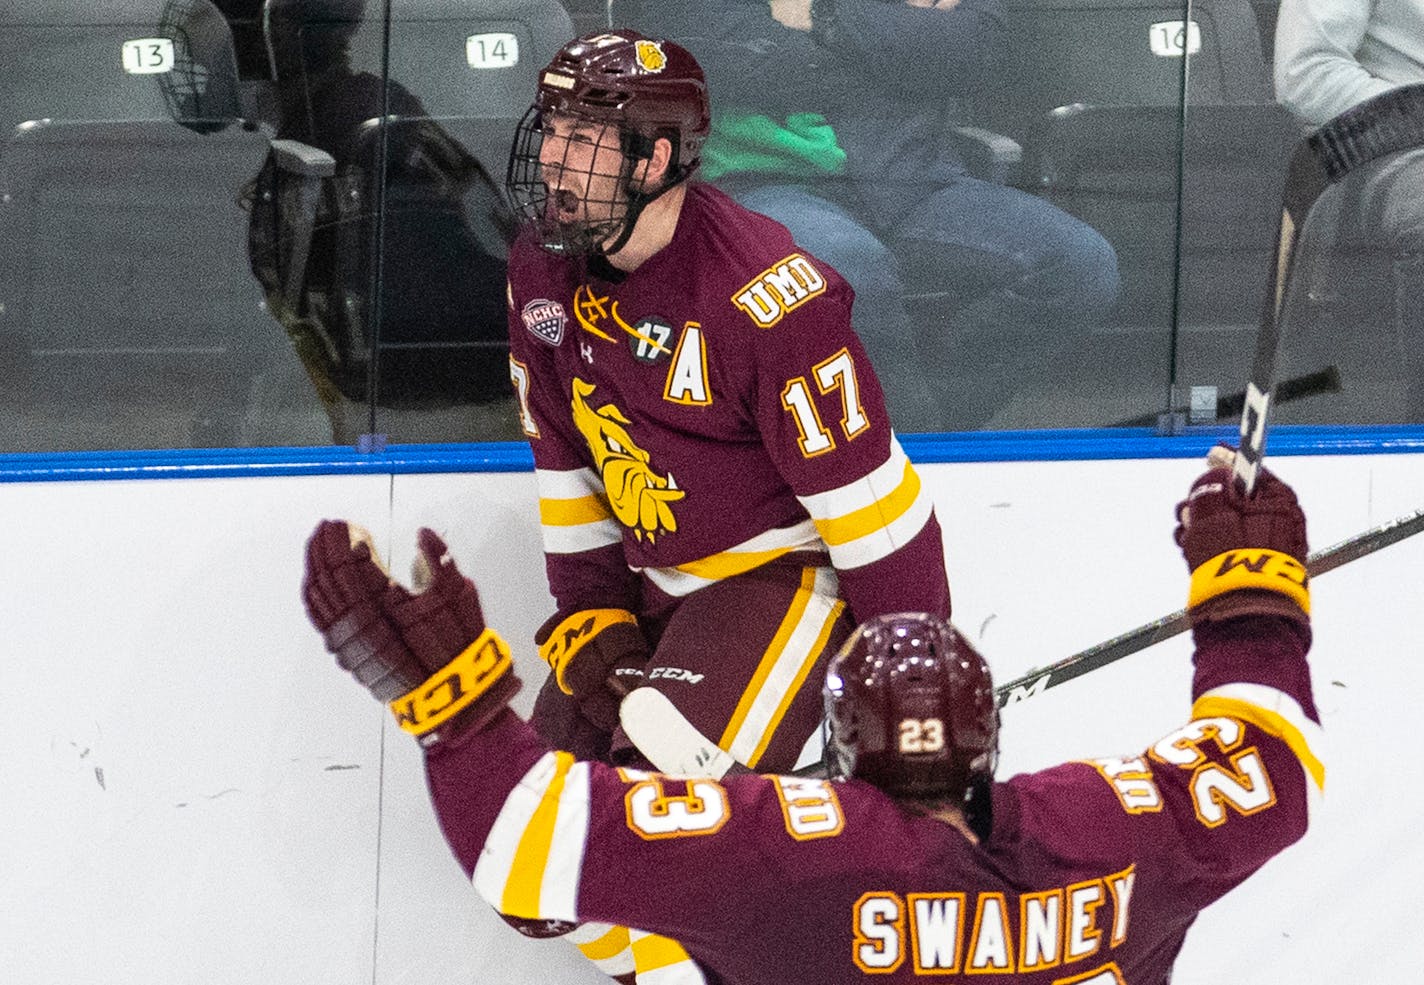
{"points": [[343, 591], [1246, 553], [597, 656], [426, 653]]}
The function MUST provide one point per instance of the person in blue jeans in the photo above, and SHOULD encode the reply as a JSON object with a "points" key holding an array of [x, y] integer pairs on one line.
{"points": [[837, 118]]}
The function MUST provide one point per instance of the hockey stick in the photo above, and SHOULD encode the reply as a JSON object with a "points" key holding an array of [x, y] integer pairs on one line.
{"points": [[1326, 380], [1110, 651], [688, 752], [1390, 122]]}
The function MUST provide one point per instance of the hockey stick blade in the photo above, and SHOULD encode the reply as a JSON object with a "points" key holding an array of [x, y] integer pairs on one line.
{"points": [[1035, 682], [665, 736], [1386, 124]]}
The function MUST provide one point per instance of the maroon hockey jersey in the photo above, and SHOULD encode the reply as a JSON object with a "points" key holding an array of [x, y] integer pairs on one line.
{"points": [[1093, 871], [707, 413]]}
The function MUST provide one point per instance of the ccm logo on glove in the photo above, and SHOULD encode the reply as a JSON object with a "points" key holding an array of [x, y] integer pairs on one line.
{"points": [[455, 686], [1270, 570]]}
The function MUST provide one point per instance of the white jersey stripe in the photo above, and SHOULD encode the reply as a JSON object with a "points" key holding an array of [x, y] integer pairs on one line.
{"points": [[860, 493], [885, 541], [568, 483], [559, 892], [583, 537], [532, 859], [784, 668], [606, 945]]}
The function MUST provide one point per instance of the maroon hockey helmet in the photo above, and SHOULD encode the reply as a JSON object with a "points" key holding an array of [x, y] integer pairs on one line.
{"points": [[910, 708], [642, 89]]}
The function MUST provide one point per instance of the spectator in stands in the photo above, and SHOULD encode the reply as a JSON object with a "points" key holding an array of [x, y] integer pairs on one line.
{"points": [[244, 17], [1332, 55], [435, 329], [836, 118]]}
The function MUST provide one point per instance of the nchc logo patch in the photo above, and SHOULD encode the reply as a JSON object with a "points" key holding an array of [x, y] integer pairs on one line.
{"points": [[545, 319]]}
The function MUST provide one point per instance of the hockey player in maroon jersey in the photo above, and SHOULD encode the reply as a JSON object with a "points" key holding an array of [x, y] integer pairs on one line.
{"points": [[914, 860], [712, 449]]}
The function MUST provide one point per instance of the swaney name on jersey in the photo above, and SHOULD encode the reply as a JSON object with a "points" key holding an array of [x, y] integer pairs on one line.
{"points": [[987, 933]]}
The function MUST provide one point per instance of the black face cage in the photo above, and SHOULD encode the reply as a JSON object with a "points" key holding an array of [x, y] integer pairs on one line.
{"points": [[598, 224]]}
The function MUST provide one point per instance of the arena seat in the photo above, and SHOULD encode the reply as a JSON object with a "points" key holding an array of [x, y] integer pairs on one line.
{"points": [[474, 66], [400, 293], [130, 318], [1095, 97]]}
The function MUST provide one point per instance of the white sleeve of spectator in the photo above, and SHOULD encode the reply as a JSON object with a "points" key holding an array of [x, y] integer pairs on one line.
{"points": [[1317, 75]]}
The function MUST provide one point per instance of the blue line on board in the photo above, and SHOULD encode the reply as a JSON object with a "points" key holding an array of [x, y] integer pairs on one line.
{"points": [[1056, 445]]}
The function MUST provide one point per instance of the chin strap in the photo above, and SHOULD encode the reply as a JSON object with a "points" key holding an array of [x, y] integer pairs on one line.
{"points": [[638, 201]]}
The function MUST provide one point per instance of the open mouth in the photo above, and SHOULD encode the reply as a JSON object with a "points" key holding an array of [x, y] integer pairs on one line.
{"points": [[563, 205]]}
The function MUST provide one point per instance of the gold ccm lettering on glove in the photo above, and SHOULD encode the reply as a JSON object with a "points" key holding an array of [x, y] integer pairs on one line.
{"points": [[455, 686], [571, 635], [1251, 568]]}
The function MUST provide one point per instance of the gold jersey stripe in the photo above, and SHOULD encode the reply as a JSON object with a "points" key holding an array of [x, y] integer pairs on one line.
{"points": [[794, 689], [526, 874], [769, 658], [573, 512], [730, 563], [610, 945], [1220, 706], [652, 952], [738, 559], [875, 516]]}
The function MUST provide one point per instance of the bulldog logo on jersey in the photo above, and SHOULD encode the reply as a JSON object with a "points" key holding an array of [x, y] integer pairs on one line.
{"points": [[651, 57], [546, 319], [641, 498]]}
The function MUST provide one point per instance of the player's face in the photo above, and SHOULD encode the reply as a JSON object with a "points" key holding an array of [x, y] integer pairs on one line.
{"points": [[581, 163]]}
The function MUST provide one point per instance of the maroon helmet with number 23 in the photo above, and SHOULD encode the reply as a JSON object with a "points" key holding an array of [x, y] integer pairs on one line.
{"points": [[910, 708]]}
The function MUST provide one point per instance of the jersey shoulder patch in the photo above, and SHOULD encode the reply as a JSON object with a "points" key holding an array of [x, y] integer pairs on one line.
{"points": [[780, 289]]}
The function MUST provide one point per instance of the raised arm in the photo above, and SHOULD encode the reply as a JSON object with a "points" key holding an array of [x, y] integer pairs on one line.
{"points": [[1206, 805]]}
